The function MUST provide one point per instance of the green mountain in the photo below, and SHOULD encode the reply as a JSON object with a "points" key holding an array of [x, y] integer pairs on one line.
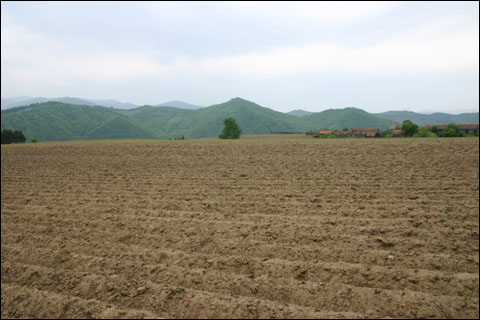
{"points": [[434, 118], [341, 118], [25, 101], [166, 122], [56, 121], [52, 121], [171, 122], [179, 104], [299, 113], [252, 118]]}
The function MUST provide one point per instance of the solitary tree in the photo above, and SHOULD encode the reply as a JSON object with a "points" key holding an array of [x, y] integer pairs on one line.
{"points": [[231, 129], [409, 128]]}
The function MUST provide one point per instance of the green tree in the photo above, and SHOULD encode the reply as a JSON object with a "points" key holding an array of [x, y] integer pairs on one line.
{"points": [[452, 130], [11, 136], [345, 129], [424, 133], [231, 129], [409, 128], [434, 129], [387, 134]]}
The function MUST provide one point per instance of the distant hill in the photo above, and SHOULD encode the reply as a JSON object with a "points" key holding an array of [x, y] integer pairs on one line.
{"points": [[167, 122], [52, 121], [208, 122], [341, 118], [179, 104], [299, 113], [56, 121], [113, 104], [25, 101], [75, 101], [10, 102], [434, 118], [20, 101], [252, 118]]}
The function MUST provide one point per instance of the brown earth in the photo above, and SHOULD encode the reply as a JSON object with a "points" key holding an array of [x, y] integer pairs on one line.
{"points": [[280, 226]]}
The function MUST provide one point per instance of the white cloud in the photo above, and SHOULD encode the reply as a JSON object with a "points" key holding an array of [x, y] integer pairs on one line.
{"points": [[326, 12], [32, 58], [434, 48]]}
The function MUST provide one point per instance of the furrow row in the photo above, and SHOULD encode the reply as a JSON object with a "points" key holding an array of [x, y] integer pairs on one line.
{"points": [[451, 229], [374, 252], [284, 271], [26, 301], [174, 301]]}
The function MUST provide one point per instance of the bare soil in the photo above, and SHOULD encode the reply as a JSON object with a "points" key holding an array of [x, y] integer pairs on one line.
{"points": [[281, 226]]}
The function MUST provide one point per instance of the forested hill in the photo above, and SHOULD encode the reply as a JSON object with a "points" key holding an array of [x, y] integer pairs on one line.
{"points": [[56, 121], [53, 121], [300, 113], [422, 119], [251, 117]]}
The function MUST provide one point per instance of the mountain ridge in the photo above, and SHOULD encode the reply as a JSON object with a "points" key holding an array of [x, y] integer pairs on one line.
{"points": [[299, 113], [179, 104], [59, 121], [49, 121], [8, 103], [423, 119]]}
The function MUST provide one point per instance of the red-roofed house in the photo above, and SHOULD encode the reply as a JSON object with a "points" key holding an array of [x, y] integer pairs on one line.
{"points": [[322, 132], [397, 133]]}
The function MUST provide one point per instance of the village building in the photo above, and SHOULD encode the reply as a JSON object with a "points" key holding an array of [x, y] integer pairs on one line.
{"points": [[471, 129], [366, 133], [397, 133], [343, 134], [322, 132], [396, 127]]}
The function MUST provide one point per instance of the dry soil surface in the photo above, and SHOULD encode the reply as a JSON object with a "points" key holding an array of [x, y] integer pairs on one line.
{"points": [[282, 226]]}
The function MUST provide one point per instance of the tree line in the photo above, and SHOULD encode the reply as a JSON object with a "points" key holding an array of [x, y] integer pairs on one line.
{"points": [[410, 129], [12, 136]]}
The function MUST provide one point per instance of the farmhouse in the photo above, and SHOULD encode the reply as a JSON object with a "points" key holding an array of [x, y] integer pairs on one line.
{"points": [[322, 132], [397, 133], [366, 133], [396, 127], [343, 134], [464, 128]]}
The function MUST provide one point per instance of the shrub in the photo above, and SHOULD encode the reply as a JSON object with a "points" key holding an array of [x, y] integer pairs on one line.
{"points": [[33, 140], [11, 136], [434, 129], [231, 130], [452, 130], [327, 136], [424, 133], [387, 134]]}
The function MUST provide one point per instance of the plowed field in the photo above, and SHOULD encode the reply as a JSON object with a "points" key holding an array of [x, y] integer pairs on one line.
{"points": [[274, 226]]}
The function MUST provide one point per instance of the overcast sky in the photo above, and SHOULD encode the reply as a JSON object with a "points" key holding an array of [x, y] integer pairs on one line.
{"points": [[377, 56]]}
